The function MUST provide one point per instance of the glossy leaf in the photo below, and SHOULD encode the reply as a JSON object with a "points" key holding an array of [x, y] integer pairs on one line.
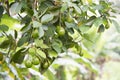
{"points": [[41, 53], [22, 41], [18, 57], [46, 18]]}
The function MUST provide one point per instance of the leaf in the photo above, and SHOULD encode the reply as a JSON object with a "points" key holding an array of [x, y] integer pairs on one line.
{"points": [[76, 8], [41, 53], [84, 28], [49, 75], [64, 7], [98, 22], [46, 18], [1, 10], [10, 22], [51, 31], [5, 44], [57, 44], [18, 57], [39, 43], [87, 54], [85, 8], [70, 25], [15, 8], [115, 23], [36, 24], [4, 28], [101, 28], [22, 41], [41, 32]]}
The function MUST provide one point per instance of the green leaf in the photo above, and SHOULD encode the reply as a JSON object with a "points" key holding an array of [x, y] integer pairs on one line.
{"points": [[115, 23], [4, 28], [41, 32], [5, 44], [15, 8], [49, 75], [64, 7], [84, 28], [87, 54], [70, 25], [85, 8], [101, 28], [10, 22], [57, 45], [39, 43], [41, 53], [46, 18], [18, 57], [36, 24], [22, 41], [56, 48], [76, 8], [98, 22], [1, 10]]}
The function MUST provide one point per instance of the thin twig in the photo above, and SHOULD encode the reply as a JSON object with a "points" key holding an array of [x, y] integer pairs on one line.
{"points": [[7, 6]]}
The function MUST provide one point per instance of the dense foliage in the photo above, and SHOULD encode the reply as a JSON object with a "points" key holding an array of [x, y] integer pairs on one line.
{"points": [[33, 33]]}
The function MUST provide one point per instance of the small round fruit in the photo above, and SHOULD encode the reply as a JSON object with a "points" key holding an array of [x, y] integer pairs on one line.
{"points": [[32, 51], [69, 19], [60, 31], [35, 61], [45, 65], [28, 63], [35, 34]]}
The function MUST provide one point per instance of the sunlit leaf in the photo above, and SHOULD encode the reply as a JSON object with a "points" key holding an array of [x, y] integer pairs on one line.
{"points": [[41, 53], [15, 8], [10, 22]]}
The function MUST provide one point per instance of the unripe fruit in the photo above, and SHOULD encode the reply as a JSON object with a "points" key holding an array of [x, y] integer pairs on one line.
{"points": [[60, 30], [45, 65], [32, 51], [28, 63], [35, 34], [69, 19], [35, 61]]}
